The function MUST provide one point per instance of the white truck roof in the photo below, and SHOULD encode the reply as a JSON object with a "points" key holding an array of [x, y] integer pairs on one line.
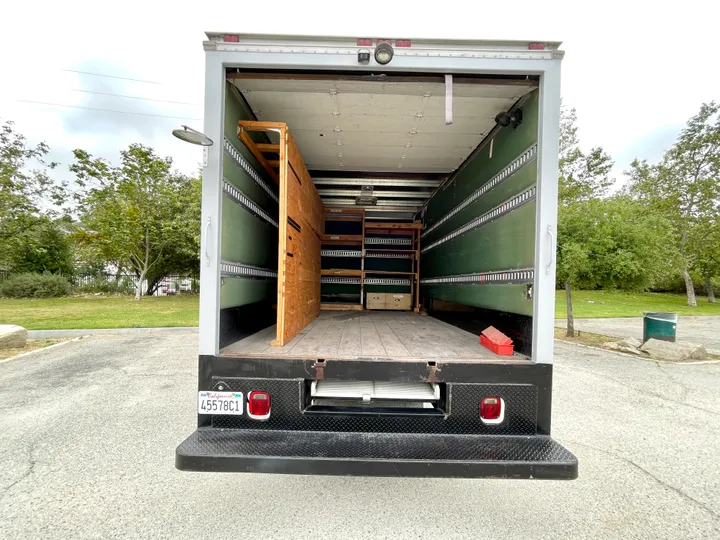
{"points": [[403, 46]]}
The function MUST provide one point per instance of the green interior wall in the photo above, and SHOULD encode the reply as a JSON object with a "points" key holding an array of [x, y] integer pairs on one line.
{"points": [[505, 243], [246, 238]]}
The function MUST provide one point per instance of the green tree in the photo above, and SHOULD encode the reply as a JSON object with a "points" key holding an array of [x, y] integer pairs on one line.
{"points": [[134, 214], [685, 185], [26, 190], [582, 177], [611, 243], [182, 257], [46, 246], [704, 245]]}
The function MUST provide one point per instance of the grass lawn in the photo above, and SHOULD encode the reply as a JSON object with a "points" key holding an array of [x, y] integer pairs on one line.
{"points": [[100, 312], [154, 311], [624, 304]]}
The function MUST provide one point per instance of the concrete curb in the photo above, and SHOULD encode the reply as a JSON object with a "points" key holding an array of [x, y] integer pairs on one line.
{"points": [[59, 334]]}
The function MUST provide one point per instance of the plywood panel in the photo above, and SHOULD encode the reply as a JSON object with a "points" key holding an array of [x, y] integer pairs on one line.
{"points": [[300, 228]]}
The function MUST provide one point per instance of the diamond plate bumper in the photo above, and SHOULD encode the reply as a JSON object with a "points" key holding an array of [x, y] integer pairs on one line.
{"points": [[375, 454]]}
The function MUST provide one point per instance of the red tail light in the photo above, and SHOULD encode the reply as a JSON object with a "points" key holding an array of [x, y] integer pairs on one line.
{"points": [[492, 410], [258, 405]]}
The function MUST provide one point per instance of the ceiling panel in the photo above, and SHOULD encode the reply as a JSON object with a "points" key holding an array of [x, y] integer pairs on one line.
{"points": [[376, 126]]}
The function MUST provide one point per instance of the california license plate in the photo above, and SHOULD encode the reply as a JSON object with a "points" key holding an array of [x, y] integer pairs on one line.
{"points": [[229, 403]]}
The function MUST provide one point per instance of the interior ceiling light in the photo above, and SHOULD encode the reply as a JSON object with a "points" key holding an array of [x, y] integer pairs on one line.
{"points": [[384, 53], [192, 136], [504, 119]]}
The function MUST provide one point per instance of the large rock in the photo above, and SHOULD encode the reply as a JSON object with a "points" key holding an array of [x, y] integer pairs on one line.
{"points": [[627, 345], [630, 343], [680, 350], [12, 336]]}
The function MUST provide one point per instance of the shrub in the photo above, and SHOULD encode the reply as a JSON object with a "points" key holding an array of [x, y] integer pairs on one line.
{"points": [[35, 286]]}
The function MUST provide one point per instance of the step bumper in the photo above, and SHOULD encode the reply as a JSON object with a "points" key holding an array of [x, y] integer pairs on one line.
{"points": [[375, 454]]}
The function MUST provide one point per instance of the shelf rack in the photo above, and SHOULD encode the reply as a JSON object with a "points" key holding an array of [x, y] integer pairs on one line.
{"points": [[392, 242], [379, 240], [356, 215]]}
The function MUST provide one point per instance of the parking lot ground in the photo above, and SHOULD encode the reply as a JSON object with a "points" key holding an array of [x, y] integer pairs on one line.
{"points": [[703, 330], [89, 432]]}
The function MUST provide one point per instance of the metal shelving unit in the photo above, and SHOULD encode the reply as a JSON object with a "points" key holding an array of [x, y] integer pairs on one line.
{"points": [[379, 240], [353, 276], [393, 243]]}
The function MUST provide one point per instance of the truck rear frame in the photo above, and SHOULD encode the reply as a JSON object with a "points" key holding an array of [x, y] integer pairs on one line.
{"points": [[381, 441]]}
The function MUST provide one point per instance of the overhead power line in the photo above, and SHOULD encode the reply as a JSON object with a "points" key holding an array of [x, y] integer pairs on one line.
{"points": [[133, 97], [107, 110], [110, 76]]}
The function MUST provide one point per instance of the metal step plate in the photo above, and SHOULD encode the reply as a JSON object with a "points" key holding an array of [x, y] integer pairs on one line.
{"points": [[375, 454], [371, 390]]}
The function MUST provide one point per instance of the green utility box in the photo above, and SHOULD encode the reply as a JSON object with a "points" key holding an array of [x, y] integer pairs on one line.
{"points": [[659, 326]]}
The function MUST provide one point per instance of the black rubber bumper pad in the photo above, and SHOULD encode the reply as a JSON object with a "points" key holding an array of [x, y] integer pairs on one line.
{"points": [[375, 454]]}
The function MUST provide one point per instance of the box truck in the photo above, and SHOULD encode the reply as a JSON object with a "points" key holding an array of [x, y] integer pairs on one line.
{"points": [[370, 207]]}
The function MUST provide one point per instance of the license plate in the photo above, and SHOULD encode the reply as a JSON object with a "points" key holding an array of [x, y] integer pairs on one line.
{"points": [[225, 403]]}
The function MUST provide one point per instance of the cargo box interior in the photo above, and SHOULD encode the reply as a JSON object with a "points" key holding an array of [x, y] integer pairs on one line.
{"points": [[376, 215]]}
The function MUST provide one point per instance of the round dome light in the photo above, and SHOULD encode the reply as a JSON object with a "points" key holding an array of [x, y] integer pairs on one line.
{"points": [[384, 53]]}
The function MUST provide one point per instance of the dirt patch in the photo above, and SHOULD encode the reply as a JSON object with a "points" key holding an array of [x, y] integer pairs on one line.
{"points": [[32, 345], [583, 338]]}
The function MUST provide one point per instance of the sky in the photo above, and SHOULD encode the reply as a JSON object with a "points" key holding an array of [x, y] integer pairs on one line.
{"points": [[634, 70]]}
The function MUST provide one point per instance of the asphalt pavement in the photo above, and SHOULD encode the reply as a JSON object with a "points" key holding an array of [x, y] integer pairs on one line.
{"points": [[89, 431]]}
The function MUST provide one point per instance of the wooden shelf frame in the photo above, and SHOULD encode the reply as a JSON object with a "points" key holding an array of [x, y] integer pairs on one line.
{"points": [[354, 215], [346, 272], [411, 230], [389, 272], [343, 239]]}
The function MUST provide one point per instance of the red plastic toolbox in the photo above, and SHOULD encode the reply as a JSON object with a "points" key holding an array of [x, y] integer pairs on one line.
{"points": [[502, 350], [496, 341]]}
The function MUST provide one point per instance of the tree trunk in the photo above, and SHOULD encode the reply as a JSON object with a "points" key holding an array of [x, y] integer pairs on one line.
{"points": [[689, 288], [138, 287], [153, 285], [709, 289], [570, 318], [145, 266]]}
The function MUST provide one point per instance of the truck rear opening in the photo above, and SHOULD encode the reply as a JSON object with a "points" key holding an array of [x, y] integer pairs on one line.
{"points": [[363, 224]]}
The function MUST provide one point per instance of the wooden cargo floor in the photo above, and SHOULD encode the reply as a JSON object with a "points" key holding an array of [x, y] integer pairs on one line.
{"points": [[397, 335]]}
